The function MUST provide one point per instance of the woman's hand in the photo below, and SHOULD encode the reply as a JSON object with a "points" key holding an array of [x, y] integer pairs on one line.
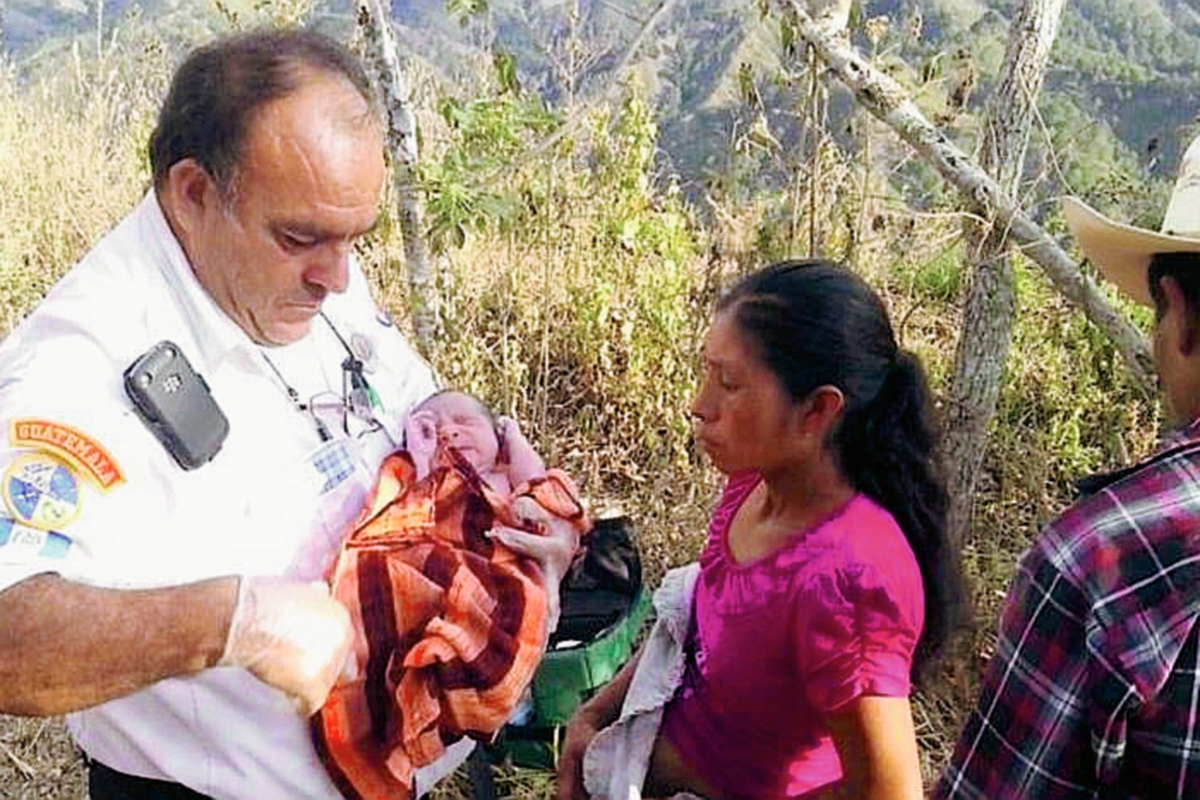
{"points": [[591, 718], [580, 732]]}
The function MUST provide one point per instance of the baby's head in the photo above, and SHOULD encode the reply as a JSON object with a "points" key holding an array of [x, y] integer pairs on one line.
{"points": [[462, 422]]}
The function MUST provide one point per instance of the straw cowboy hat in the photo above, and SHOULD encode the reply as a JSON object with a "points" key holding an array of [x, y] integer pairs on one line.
{"points": [[1123, 252]]}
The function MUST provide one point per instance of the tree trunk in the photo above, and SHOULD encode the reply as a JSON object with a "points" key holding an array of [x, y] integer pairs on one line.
{"points": [[99, 29], [990, 312], [376, 24], [887, 100]]}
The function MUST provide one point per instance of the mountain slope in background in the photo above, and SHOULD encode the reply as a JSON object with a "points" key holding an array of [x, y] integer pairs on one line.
{"points": [[1125, 66]]}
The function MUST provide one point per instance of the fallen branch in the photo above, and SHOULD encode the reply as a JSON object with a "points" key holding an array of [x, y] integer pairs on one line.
{"points": [[890, 102]]}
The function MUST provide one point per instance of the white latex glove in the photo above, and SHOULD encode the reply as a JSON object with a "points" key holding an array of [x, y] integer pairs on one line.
{"points": [[291, 635], [553, 548]]}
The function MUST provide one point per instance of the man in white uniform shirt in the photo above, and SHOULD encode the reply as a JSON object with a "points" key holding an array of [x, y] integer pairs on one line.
{"points": [[178, 616]]}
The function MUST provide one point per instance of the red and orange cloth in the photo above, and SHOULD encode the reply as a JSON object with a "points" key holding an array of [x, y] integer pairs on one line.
{"points": [[450, 625]]}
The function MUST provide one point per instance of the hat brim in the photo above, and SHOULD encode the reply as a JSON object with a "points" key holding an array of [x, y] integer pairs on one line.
{"points": [[1121, 252]]}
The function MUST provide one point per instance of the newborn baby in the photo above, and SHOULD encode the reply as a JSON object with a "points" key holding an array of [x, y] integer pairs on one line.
{"points": [[494, 446], [450, 613]]}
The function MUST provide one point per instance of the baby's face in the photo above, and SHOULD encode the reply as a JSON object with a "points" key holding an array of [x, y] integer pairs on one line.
{"points": [[462, 423]]}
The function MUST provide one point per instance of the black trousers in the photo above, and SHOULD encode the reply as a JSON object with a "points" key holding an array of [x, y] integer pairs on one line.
{"points": [[105, 783]]}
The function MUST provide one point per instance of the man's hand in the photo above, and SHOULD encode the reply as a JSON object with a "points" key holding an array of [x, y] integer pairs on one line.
{"points": [[553, 548], [291, 635]]}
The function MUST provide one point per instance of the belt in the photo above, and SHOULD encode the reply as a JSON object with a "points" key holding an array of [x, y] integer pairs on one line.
{"points": [[105, 783]]}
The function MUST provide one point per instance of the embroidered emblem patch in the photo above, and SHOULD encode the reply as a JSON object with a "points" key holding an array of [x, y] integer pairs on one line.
{"points": [[41, 491], [74, 446], [19, 542]]}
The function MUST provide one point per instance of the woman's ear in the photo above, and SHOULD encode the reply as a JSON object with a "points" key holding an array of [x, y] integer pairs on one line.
{"points": [[821, 410]]}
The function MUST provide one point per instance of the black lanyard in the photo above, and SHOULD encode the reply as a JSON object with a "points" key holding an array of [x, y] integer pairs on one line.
{"points": [[356, 391]]}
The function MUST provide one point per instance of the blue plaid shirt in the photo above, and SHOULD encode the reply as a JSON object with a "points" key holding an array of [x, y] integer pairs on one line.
{"points": [[1094, 689]]}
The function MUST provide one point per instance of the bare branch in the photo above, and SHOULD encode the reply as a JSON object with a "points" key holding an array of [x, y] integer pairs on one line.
{"points": [[575, 120], [888, 100]]}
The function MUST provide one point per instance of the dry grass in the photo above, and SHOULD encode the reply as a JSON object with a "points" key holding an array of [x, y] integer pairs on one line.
{"points": [[38, 759]]}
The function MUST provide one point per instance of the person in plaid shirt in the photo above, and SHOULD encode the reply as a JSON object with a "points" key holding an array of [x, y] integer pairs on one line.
{"points": [[1095, 687]]}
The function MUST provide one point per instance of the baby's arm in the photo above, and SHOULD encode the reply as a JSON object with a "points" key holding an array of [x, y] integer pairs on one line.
{"points": [[523, 461]]}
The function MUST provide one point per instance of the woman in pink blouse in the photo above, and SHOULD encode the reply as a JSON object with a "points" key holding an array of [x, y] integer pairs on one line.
{"points": [[827, 582]]}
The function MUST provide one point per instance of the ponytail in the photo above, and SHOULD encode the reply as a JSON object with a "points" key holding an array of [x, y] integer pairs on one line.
{"points": [[888, 450]]}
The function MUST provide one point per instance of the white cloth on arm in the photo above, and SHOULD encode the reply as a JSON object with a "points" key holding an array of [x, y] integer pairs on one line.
{"points": [[261, 507], [616, 761]]}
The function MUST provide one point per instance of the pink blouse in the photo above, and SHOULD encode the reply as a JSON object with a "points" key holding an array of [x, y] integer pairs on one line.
{"points": [[777, 643]]}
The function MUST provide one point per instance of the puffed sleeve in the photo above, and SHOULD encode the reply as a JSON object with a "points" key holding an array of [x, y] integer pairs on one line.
{"points": [[858, 630]]}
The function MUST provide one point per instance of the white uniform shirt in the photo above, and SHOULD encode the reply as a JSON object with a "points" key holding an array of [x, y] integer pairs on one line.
{"points": [[92, 495]]}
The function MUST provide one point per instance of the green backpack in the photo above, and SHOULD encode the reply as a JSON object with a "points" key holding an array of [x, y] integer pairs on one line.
{"points": [[604, 606]]}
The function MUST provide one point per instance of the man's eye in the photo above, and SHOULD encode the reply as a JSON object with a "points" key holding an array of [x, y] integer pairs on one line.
{"points": [[294, 241]]}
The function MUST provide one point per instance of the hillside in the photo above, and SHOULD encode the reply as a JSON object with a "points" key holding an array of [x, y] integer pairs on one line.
{"points": [[1124, 66]]}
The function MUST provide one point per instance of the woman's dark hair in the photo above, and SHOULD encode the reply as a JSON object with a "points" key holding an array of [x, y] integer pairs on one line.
{"points": [[815, 323], [1185, 269], [219, 87]]}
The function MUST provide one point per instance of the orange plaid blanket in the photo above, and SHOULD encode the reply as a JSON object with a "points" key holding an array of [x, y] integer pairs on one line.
{"points": [[450, 625]]}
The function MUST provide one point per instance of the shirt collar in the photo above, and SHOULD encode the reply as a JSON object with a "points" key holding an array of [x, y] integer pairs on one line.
{"points": [[1171, 443], [216, 336]]}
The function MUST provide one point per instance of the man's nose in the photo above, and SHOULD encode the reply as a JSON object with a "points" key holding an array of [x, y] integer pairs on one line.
{"points": [[330, 268]]}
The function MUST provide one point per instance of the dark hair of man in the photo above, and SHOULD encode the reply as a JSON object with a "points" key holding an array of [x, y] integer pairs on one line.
{"points": [[815, 323], [218, 88], [1185, 269]]}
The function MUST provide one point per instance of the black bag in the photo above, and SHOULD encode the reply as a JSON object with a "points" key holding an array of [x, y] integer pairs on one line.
{"points": [[601, 586]]}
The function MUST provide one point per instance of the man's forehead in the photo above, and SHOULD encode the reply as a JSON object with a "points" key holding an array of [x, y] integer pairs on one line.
{"points": [[326, 114]]}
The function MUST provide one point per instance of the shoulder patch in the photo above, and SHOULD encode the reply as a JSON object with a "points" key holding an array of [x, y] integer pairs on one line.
{"points": [[18, 543], [76, 447], [41, 491]]}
